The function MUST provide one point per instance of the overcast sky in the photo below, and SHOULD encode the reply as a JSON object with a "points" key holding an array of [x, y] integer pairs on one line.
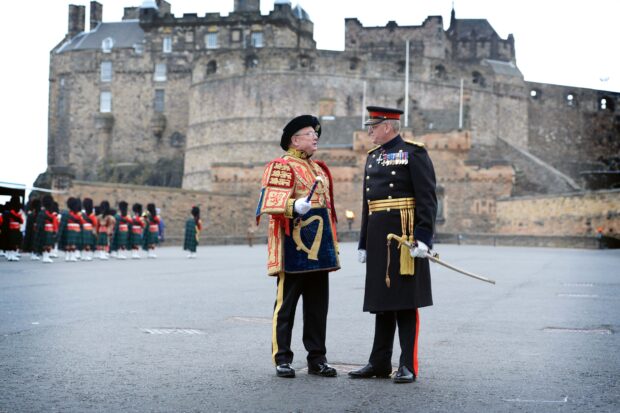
{"points": [[563, 42]]}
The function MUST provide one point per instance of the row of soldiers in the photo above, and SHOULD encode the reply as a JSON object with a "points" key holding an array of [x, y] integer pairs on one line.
{"points": [[83, 231]]}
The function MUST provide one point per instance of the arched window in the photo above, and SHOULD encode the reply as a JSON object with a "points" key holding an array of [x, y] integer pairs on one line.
{"points": [[606, 103], [211, 67], [440, 72], [478, 79]]}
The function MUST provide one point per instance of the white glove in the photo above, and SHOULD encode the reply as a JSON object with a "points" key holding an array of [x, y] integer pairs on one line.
{"points": [[302, 206], [361, 256], [419, 251]]}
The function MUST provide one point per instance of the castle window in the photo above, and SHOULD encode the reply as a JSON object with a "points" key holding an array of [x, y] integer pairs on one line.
{"points": [[354, 63], [167, 44], [570, 99], [106, 71], [257, 39], [235, 35], [251, 61], [304, 61], [105, 102], [478, 79], [160, 72], [211, 40], [606, 103], [159, 103], [535, 94], [211, 67], [400, 66], [440, 72], [107, 44]]}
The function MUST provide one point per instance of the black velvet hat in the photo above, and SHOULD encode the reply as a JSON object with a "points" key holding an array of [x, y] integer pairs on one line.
{"points": [[295, 125]]}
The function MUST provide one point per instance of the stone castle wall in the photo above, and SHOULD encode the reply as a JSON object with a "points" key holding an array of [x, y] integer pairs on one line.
{"points": [[578, 214]]}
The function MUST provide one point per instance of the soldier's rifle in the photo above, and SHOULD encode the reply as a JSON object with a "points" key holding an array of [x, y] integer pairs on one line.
{"points": [[434, 257]]}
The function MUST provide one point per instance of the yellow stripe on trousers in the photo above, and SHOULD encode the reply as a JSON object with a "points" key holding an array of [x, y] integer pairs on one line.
{"points": [[276, 311]]}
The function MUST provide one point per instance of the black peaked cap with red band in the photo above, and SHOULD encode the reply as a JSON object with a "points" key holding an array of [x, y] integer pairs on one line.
{"points": [[377, 114], [295, 125]]}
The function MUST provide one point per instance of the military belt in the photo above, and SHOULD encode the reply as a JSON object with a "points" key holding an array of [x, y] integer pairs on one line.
{"points": [[389, 204]]}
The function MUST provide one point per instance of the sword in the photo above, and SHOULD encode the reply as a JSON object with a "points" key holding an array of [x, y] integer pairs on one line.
{"points": [[434, 257]]}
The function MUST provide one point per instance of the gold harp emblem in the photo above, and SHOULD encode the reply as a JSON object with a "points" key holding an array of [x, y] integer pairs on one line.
{"points": [[313, 251]]}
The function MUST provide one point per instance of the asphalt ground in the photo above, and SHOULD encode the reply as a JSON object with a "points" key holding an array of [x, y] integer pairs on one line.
{"points": [[178, 335]]}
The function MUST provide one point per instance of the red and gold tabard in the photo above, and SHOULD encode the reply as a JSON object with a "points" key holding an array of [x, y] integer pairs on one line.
{"points": [[299, 244]]}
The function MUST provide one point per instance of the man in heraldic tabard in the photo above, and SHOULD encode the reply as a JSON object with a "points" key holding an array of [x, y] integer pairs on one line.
{"points": [[297, 193]]}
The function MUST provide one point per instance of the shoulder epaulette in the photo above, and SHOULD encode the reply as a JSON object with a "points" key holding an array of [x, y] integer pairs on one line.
{"points": [[374, 149], [420, 144]]}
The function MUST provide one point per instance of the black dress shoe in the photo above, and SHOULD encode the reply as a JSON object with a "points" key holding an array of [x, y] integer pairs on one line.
{"points": [[322, 369], [285, 370], [404, 375], [369, 371]]}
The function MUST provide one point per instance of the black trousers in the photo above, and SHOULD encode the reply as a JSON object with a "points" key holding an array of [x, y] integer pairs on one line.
{"points": [[314, 288], [385, 328]]}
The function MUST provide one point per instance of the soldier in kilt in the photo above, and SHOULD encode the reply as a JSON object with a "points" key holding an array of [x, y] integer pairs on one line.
{"points": [[120, 239], [151, 231], [72, 235], [89, 230], [11, 228], [137, 227], [45, 229], [193, 226], [105, 228], [34, 207]]}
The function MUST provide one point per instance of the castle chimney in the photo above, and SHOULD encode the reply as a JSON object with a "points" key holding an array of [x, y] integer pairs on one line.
{"points": [[96, 14], [77, 18], [247, 6]]}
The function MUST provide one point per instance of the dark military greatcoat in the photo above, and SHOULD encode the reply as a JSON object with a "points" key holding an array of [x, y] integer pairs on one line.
{"points": [[399, 198]]}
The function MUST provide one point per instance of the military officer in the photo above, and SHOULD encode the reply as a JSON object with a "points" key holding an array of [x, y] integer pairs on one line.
{"points": [[398, 197], [297, 194]]}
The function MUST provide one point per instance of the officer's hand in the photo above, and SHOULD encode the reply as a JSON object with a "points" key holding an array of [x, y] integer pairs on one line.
{"points": [[420, 250], [361, 256], [301, 206]]}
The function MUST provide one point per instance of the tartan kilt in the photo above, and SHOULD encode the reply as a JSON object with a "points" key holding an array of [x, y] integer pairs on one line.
{"points": [[14, 239], [191, 241], [89, 239], [150, 237], [121, 239], [102, 239], [48, 238], [73, 238], [136, 240]]}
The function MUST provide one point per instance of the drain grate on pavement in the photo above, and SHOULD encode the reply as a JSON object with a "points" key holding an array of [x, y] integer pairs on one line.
{"points": [[252, 320], [599, 330], [185, 331]]}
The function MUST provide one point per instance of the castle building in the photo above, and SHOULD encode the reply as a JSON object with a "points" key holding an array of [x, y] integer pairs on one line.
{"points": [[199, 102]]}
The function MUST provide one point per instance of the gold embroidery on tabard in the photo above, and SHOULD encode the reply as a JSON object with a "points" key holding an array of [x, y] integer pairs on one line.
{"points": [[313, 251]]}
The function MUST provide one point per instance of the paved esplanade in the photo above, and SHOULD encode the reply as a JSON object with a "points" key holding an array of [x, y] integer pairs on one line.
{"points": [[175, 335]]}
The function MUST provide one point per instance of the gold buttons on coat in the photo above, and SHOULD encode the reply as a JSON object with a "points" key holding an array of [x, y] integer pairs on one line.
{"points": [[391, 185], [367, 189], [393, 172], [367, 177]]}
